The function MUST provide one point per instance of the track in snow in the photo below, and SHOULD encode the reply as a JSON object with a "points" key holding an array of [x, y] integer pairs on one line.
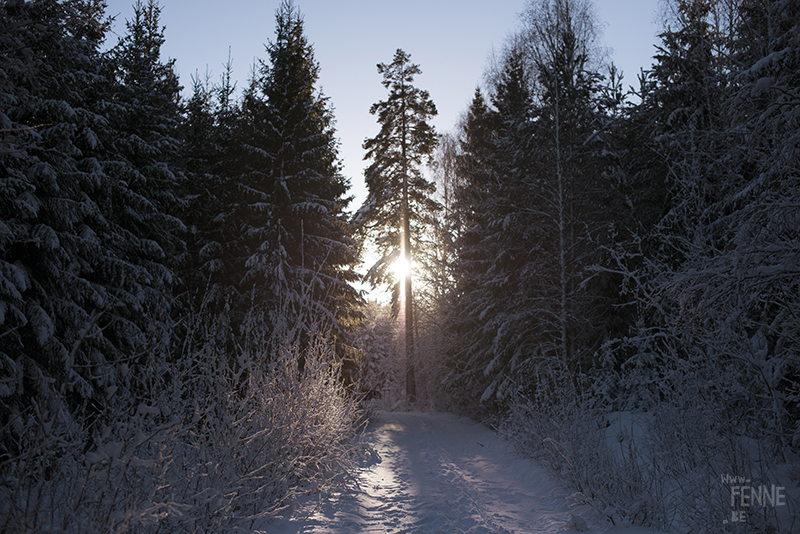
{"points": [[442, 473]]}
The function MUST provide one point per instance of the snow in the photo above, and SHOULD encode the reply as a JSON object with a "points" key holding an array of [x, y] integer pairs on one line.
{"points": [[442, 473]]}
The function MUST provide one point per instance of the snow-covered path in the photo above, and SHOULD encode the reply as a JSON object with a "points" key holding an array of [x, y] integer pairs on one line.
{"points": [[442, 473]]}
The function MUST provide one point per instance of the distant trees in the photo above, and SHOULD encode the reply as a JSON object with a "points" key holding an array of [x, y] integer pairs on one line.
{"points": [[399, 204]]}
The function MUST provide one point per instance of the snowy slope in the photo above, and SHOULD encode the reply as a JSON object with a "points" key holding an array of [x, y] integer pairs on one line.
{"points": [[442, 473]]}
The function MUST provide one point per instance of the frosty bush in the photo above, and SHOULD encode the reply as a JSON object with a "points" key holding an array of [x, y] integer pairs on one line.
{"points": [[94, 469], [565, 434], [667, 467], [208, 442]]}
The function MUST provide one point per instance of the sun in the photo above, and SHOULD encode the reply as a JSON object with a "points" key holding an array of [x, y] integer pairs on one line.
{"points": [[401, 268]]}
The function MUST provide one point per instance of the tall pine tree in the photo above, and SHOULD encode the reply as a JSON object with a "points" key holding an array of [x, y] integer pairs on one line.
{"points": [[399, 201]]}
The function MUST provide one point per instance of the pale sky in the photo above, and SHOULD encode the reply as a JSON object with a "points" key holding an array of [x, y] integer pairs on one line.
{"points": [[451, 40]]}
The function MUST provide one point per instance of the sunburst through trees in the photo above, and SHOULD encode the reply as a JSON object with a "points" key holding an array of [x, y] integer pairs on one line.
{"points": [[399, 197]]}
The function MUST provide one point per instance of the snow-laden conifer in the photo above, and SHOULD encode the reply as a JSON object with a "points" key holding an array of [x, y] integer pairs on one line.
{"points": [[295, 241]]}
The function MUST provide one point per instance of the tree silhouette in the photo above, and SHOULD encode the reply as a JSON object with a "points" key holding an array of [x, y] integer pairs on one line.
{"points": [[399, 197]]}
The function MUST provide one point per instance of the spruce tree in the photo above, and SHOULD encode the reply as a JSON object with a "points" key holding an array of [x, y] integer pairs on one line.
{"points": [[299, 248], [139, 195], [495, 157], [144, 146], [210, 153], [51, 289], [399, 201], [86, 284]]}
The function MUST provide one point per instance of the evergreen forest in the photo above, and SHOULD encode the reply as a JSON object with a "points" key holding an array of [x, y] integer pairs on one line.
{"points": [[184, 344]]}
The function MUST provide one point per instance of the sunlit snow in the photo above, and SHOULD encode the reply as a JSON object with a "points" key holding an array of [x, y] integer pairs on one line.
{"points": [[443, 473]]}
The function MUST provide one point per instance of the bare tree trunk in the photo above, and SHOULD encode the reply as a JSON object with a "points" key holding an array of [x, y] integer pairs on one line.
{"points": [[411, 386], [562, 241]]}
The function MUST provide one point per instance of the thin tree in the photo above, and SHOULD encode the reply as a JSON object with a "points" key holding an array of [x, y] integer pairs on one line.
{"points": [[561, 35], [399, 197]]}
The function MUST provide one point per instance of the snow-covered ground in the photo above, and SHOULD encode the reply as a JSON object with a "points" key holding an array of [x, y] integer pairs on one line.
{"points": [[442, 473]]}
